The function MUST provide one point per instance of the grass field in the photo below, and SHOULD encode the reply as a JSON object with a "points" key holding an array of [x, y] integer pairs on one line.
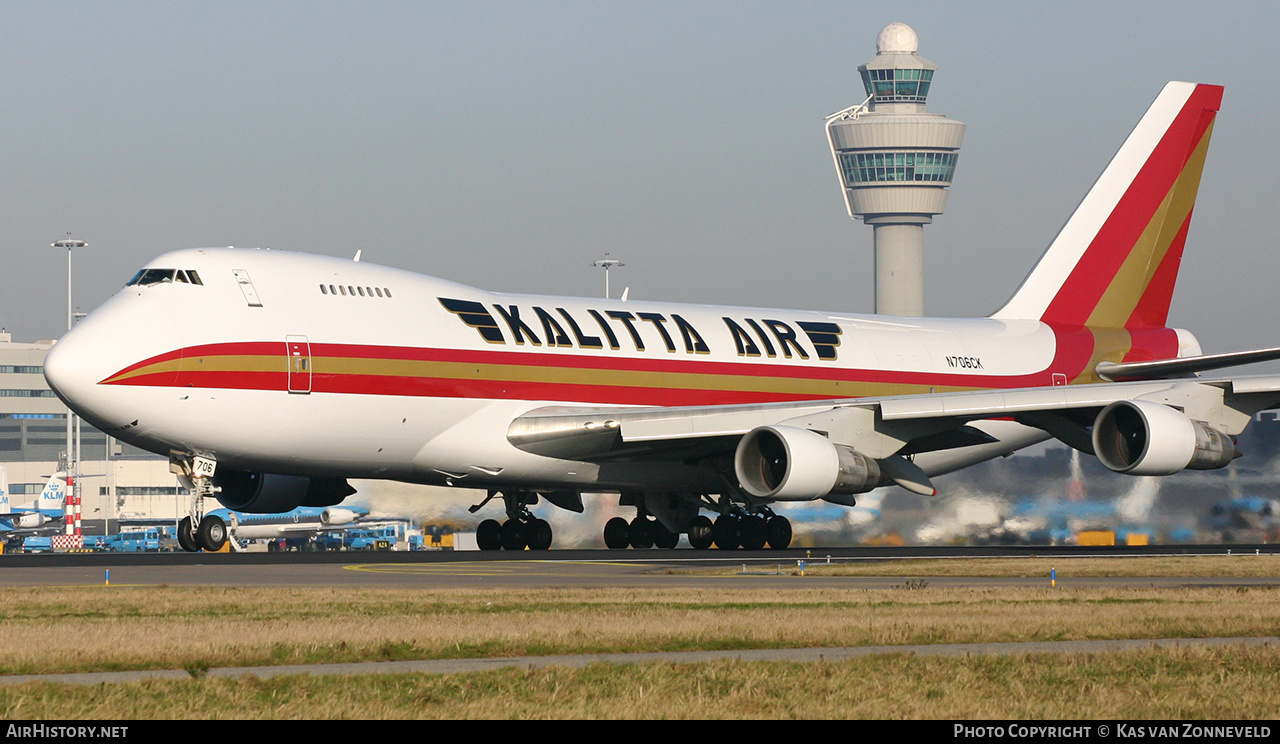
{"points": [[114, 628], [1189, 566], [1232, 684]]}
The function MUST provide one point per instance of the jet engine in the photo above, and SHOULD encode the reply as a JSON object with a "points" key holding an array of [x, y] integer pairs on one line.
{"points": [[787, 463], [27, 521], [267, 493], [1138, 437], [338, 516]]}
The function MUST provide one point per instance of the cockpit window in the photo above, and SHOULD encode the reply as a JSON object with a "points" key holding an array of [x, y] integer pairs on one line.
{"points": [[151, 276], [147, 277]]}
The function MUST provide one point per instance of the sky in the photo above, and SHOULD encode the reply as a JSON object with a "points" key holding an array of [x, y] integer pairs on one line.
{"points": [[510, 144]]}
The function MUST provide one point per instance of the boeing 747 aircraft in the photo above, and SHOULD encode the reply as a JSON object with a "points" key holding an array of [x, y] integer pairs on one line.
{"points": [[270, 378]]}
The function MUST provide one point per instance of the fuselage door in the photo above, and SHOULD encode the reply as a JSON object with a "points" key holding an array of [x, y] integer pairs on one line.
{"points": [[298, 353]]}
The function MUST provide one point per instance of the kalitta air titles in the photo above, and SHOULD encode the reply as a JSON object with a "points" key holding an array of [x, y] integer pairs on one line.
{"points": [[618, 329]]}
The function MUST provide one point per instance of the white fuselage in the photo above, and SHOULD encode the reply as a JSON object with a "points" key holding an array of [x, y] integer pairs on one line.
{"points": [[303, 364]]}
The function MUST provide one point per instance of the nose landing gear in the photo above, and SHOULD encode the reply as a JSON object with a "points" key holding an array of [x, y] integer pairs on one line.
{"points": [[199, 531], [209, 534]]}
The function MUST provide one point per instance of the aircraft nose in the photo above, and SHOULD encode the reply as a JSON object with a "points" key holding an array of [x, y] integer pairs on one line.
{"points": [[81, 359], [67, 368]]}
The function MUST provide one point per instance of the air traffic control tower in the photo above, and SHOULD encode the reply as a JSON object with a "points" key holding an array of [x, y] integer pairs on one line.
{"points": [[895, 162]]}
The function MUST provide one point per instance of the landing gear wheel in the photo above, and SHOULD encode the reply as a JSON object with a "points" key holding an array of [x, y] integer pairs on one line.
{"points": [[489, 535], [187, 540], [725, 532], [640, 533], [754, 533], [514, 535], [539, 532], [664, 538], [615, 534], [779, 533], [700, 530], [212, 534]]}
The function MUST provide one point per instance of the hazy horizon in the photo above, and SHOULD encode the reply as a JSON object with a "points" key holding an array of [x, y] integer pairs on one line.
{"points": [[509, 144]]}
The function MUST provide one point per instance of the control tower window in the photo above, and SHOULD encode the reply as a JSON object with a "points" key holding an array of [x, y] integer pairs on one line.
{"points": [[898, 86], [873, 167]]}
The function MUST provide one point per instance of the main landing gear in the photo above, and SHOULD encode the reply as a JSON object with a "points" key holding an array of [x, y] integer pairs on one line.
{"points": [[199, 531], [751, 527], [520, 530], [640, 533], [727, 532], [660, 517]]}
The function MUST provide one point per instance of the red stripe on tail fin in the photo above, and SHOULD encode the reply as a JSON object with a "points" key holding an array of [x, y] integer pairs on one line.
{"points": [[1115, 262]]}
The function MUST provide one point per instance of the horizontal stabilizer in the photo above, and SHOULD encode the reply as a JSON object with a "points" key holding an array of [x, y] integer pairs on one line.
{"points": [[1181, 367]]}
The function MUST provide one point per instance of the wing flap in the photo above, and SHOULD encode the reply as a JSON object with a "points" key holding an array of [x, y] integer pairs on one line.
{"points": [[1256, 385]]}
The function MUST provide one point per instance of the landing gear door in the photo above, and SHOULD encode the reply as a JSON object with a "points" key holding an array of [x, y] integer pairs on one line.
{"points": [[298, 353]]}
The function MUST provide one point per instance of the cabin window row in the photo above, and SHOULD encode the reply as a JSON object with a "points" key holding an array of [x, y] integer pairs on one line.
{"points": [[347, 290]]}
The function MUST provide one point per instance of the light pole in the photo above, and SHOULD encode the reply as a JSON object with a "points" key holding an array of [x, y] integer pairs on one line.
{"points": [[71, 510], [607, 263]]}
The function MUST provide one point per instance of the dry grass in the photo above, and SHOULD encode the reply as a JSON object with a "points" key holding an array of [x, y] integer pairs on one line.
{"points": [[1178, 684], [165, 627], [170, 627], [1190, 566]]}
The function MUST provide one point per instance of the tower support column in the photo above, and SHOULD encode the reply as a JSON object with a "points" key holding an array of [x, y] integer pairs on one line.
{"points": [[899, 269]]}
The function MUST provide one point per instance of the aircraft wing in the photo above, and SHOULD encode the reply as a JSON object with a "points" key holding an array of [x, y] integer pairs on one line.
{"points": [[308, 528], [888, 429], [6, 531]]}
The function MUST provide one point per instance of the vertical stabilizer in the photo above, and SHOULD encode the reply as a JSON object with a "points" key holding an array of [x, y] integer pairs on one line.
{"points": [[1115, 262], [54, 495]]}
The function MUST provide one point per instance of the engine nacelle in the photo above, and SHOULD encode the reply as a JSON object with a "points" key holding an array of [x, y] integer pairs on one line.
{"points": [[787, 463], [1139, 437], [267, 493], [338, 516], [27, 521]]}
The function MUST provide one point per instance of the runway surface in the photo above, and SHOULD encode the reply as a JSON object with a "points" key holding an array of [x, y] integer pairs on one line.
{"points": [[767, 570]]}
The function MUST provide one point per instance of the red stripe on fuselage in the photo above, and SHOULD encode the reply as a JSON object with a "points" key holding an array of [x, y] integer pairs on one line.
{"points": [[246, 348], [1150, 344], [1074, 349]]}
